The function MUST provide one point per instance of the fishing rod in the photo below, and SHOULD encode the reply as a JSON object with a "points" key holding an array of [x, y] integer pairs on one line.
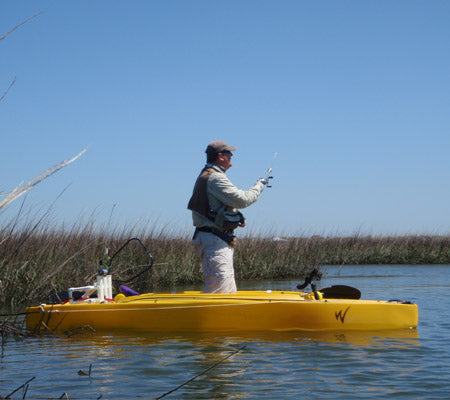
{"points": [[106, 256], [144, 269], [268, 176]]}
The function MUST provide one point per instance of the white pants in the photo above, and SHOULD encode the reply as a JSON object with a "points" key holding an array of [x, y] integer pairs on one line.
{"points": [[217, 259]]}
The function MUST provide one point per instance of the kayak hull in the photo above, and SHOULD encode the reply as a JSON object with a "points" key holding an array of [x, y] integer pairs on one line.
{"points": [[242, 311]]}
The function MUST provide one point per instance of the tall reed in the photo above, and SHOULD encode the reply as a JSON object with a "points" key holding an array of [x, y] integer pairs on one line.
{"points": [[39, 258]]}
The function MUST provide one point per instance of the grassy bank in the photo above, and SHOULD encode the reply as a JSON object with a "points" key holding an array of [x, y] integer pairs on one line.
{"points": [[39, 259]]}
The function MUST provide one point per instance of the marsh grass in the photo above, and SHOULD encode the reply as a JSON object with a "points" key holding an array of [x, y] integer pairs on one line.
{"points": [[293, 257], [39, 258]]}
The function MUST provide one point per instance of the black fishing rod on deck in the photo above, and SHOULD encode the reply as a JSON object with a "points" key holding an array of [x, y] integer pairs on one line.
{"points": [[144, 269]]}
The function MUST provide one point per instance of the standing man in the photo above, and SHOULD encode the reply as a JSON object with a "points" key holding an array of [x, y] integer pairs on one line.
{"points": [[214, 204]]}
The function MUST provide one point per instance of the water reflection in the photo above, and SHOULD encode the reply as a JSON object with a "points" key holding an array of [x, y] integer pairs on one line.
{"points": [[121, 341]]}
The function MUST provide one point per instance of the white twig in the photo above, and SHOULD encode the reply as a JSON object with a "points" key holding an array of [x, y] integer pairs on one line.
{"points": [[19, 191]]}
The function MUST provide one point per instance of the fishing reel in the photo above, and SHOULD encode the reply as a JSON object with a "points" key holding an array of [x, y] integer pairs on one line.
{"points": [[266, 180], [268, 177]]}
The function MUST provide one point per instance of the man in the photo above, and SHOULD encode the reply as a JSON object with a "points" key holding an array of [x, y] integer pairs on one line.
{"points": [[214, 204]]}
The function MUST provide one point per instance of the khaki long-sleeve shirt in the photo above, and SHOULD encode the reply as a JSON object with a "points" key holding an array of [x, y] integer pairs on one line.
{"points": [[221, 191]]}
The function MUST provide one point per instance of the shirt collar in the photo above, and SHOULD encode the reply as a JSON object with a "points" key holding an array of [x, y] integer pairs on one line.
{"points": [[216, 167]]}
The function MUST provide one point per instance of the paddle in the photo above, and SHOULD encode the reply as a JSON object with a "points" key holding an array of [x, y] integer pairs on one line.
{"points": [[340, 292]]}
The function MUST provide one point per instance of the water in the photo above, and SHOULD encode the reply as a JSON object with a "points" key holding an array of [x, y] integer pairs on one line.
{"points": [[400, 364]]}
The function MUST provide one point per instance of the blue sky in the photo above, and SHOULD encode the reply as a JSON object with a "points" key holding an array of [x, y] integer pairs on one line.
{"points": [[353, 95]]}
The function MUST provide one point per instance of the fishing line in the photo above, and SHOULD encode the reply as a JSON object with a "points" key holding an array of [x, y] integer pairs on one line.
{"points": [[108, 226], [14, 314], [201, 373]]}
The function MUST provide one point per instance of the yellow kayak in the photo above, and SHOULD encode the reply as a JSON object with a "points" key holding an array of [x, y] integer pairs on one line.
{"points": [[242, 311]]}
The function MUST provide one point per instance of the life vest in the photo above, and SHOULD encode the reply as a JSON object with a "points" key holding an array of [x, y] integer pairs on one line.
{"points": [[199, 200], [224, 218]]}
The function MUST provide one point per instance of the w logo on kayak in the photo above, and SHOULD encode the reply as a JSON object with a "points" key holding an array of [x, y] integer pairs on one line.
{"points": [[341, 315]]}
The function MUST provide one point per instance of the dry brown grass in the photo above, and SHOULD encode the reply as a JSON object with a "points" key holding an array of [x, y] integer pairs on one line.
{"points": [[39, 258]]}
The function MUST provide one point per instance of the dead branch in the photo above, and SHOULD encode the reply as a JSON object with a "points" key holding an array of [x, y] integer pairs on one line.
{"points": [[18, 26], [7, 90], [20, 387]]}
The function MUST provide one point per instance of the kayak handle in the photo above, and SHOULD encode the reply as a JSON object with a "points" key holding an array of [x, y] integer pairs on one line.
{"points": [[315, 273]]}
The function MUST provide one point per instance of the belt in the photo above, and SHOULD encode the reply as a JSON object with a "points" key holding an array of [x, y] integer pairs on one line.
{"points": [[204, 229], [213, 230], [227, 237]]}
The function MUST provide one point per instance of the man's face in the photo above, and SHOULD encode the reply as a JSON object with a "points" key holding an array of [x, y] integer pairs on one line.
{"points": [[224, 159]]}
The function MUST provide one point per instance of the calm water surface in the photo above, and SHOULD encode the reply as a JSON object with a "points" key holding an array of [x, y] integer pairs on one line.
{"points": [[406, 364]]}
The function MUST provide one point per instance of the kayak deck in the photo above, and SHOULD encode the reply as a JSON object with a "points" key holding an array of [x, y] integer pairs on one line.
{"points": [[241, 311]]}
